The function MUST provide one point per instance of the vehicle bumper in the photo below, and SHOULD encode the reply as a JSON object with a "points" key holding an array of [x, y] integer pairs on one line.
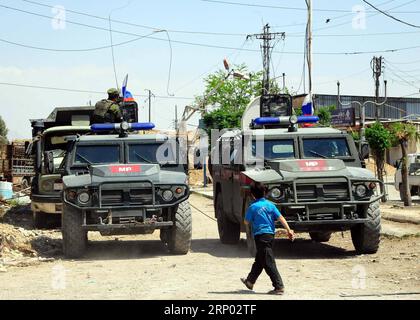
{"points": [[149, 207], [324, 225], [46, 203], [129, 227]]}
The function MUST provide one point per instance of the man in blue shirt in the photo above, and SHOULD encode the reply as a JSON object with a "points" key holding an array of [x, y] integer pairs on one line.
{"points": [[261, 215]]}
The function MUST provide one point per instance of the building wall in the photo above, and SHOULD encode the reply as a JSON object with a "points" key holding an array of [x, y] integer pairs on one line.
{"points": [[395, 108]]}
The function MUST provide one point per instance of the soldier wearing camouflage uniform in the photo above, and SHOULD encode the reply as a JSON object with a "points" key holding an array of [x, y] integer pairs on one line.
{"points": [[108, 110]]}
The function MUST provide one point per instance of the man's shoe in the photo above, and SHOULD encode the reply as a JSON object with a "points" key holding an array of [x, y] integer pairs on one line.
{"points": [[279, 291], [248, 284]]}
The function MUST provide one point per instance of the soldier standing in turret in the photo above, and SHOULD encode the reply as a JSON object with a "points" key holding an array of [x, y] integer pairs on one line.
{"points": [[108, 110]]}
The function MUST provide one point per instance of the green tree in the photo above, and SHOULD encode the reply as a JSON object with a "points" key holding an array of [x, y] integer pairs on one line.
{"points": [[3, 131], [379, 139], [228, 98], [325, 115], [402, 133]]}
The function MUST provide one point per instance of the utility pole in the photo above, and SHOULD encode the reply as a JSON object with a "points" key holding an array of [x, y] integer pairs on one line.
{"points": [[150, 103], [284, 82], [266, 37], [176, 117], [376, 65], [309, 43]]}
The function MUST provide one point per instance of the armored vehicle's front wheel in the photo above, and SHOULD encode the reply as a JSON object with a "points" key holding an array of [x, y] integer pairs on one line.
{"points": [[229, 232], [320, 236], [179, 237], [40, 220], [74, 237], [366, 236]]}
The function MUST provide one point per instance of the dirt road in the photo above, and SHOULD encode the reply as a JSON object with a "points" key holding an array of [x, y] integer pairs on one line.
{"points": [[140, 268]]}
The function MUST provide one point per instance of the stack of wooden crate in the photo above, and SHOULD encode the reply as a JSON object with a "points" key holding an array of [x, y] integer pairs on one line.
{"points": [[4, 160]]}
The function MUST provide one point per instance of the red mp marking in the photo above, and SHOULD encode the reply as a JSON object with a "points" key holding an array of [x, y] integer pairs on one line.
{"points": [[125, 169], [313, 165]]}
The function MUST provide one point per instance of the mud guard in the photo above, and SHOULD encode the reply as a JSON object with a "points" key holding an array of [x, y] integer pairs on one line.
{"points": [[264, 176]]}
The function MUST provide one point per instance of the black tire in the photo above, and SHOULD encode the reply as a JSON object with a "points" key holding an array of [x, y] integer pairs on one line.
{"points": [[40, 220], [74, 237], [366, 237], [320, 236], [229, 232], [179, 240]]}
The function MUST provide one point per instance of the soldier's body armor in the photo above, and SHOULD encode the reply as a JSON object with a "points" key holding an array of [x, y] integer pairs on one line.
{"points": [[106, 111]]}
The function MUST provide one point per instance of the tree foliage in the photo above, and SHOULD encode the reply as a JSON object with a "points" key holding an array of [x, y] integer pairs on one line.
{"points": [[325, 115], [401, 134], [379, 139], [3, 131], [228, 98]]}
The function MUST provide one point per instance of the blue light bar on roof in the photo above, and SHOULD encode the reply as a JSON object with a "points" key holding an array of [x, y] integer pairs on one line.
{"points": [[264, 121], [308, 119], [98, 127], [142, 126], [104, 127]]}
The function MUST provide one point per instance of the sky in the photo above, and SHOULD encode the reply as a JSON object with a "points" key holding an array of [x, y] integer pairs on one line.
{"points": [[201, 34]]}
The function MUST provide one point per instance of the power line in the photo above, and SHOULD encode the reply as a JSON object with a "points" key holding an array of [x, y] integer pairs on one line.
{"points": [[398, 70], [203, 32], [139, 25], [351, 21], [218, 33], [83, 91], [405, 62], [390, 16], [138, 37], [284, 7], [74, 50], [402, 79]]}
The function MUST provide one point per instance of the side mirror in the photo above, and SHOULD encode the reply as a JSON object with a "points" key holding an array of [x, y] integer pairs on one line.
{"points": [[49, 161], [364, 152]]}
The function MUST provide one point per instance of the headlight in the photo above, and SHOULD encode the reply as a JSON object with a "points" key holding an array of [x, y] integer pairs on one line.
{"points": [[71, 195], [275, 193], [47, 185], [372, 185], [83, 197], [167, 195], [361, 190]]}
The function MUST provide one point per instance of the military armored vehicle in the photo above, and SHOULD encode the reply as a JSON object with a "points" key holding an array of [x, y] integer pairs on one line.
{"points": [[117, 183], [48, 149], [314, 175]]}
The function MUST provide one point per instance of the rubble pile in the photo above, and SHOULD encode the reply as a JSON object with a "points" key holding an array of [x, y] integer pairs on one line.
{"points": [[20, 245]]}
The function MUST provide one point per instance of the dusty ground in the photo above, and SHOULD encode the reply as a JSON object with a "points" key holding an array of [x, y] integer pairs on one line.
{"points": [[140, 267]]}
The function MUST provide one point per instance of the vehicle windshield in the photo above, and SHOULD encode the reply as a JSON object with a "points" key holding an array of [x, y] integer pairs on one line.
{"points": [[102, 154], [325, 148], [274, 149], [151, 153]]}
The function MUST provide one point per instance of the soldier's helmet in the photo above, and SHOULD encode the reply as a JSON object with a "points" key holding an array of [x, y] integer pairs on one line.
{"points": [[113, 91]]}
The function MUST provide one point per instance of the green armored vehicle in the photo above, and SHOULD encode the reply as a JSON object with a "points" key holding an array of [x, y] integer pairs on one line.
{"points": [[124, 184], [48, 149], [315, 176]]}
